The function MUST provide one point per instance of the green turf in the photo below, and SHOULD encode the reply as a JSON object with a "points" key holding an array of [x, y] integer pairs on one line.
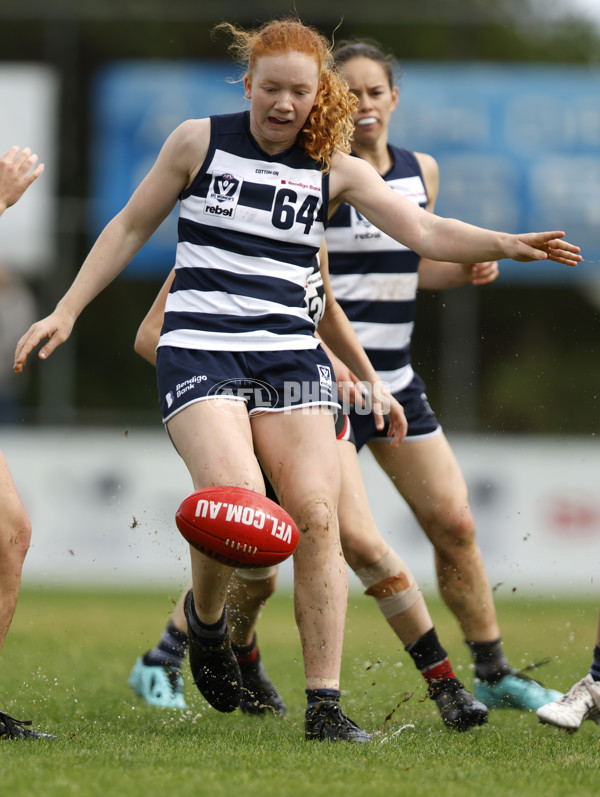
{"points": [[66, 661]]}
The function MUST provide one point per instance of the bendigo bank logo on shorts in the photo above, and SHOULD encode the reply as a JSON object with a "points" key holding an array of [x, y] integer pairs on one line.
{"points": [[223, 195], [184, 387]]}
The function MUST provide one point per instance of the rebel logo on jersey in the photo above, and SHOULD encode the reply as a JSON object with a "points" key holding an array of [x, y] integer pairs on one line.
{"points": [[223, 195]]}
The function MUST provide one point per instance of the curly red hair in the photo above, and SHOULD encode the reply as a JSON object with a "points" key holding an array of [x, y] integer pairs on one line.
{"points": [[330, 124]]}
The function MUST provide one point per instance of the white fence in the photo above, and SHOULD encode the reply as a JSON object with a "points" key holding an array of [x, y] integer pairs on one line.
{"points": [[102, 504]]}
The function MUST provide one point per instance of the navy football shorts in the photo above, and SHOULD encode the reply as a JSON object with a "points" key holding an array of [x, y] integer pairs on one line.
{"points": [[421, 419], [267, 381]]}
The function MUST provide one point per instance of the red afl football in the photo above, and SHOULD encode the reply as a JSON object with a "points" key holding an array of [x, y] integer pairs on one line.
{"points": [[237, 527]]}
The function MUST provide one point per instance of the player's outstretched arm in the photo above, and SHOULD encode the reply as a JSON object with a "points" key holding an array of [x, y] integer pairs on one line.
{"points": [[355, 181], [178, 161], [16, 175]]}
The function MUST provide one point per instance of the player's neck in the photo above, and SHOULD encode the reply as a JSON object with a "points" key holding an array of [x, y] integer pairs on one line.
{"points": [[376, 153]]}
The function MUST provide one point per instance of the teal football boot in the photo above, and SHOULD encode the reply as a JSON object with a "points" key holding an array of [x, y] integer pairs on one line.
{"points": [[157, 685]]}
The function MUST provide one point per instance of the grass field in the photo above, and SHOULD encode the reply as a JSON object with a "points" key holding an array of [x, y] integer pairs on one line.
{"points": [[66, 661]]}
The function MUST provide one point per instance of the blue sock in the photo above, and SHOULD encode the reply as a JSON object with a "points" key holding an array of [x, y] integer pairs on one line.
{"points": [[595, 668], [171, 648], [316, 696]]}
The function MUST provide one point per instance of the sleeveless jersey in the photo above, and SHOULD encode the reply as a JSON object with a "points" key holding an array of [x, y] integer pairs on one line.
{"points": [[249, 227], [374, 278]]}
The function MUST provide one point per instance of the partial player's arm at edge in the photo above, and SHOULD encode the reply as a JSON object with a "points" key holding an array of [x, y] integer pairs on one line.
{"points": [[148, 334]]}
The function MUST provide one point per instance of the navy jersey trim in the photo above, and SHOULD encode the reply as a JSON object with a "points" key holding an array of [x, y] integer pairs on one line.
{"points": [[212, 279], [398, 262], [408, 160], [388, 359], [242, 243], [379, 312], [279, 323]]}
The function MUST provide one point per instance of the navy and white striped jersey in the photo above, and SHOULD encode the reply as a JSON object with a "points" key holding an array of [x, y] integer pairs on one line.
{"points": [[374, 278], [249, 227]]}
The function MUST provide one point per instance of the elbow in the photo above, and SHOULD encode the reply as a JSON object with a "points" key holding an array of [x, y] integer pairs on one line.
{"points": [[139, 344], [143, 345]]}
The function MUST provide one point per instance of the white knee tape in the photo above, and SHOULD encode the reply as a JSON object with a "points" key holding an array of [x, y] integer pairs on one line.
{"points": [[256, 573], [391, 583]]}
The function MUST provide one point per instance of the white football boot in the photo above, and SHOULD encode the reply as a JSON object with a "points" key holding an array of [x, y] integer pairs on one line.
{"points": [[582, 702]]}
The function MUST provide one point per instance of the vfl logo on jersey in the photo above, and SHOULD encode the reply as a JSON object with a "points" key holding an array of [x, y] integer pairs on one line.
{"points": [[223, 195], [362, 227], [325, 379]]}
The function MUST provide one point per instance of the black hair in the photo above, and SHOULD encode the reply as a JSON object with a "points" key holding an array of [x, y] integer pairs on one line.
{"points": [[366, 48]]}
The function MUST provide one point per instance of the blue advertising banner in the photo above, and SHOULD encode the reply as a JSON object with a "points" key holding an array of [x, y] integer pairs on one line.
{"points": [[135, 106], [518, 146]]}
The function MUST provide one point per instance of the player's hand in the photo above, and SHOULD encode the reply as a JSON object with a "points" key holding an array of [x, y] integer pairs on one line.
{"points": [[56, 327], [384, 404], [542, 246], [481, 273], [351, 389], [16, 175]]}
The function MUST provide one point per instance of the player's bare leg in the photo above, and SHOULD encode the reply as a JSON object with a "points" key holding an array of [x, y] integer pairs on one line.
{"points": [[214, 439], [299, 454], [428, 477], [392, 585], [303, 468], [249, 590], [15, 535]]}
